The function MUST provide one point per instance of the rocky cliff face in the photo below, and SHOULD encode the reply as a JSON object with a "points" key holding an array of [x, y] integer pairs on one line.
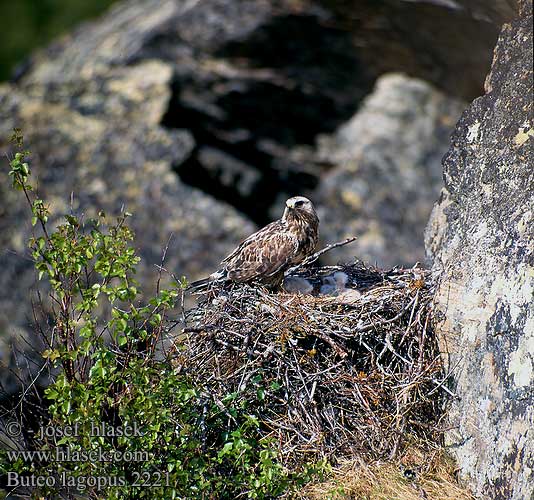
{"points": [[481, 239], [434, 40], [254, 81]]}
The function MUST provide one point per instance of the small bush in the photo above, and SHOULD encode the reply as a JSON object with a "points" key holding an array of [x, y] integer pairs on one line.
{"points": [[116, 420]]}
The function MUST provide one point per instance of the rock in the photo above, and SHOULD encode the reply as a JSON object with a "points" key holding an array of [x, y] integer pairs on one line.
{"points": [[254, 81], [101, 147], [245, 100], [481, 241], [388, 172], [446, 42]]}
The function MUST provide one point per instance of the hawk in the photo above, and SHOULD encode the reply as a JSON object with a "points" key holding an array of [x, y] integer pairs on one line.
{"points": [[265, 255]]}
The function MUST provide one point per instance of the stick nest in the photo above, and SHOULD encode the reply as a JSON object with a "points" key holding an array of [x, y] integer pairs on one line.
{"points": [[353, 372]]}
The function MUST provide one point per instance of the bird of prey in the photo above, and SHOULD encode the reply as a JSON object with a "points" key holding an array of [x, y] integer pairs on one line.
{"points": [[265, 255]]}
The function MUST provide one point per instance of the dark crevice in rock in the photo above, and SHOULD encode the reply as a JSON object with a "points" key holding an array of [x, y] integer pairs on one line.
{"points": [[277, 93], [233, 168], [310, 50]]}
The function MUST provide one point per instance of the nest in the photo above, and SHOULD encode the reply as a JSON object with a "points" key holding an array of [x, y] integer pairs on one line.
{"points": [[356, 370]]}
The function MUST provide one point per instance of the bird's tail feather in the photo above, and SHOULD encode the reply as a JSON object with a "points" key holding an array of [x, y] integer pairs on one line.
{"points": [[205, 282], [199, 284]]}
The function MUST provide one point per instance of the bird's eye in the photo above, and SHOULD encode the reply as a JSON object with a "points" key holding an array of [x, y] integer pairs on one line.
{"points": [[299, 203]]}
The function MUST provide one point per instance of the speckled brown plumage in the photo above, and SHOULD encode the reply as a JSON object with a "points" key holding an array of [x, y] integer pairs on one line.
{"points": [[266, 254]]}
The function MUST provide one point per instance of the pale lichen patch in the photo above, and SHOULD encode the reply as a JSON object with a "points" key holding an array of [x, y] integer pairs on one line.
{"points": [[351, 198], [472, 132], [521, 360], [523, 135], [525, 222]]}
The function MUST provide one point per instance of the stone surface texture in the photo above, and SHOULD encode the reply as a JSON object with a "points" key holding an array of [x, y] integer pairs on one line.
{"points": [[254, 80], [388, 172], [481, 240]]}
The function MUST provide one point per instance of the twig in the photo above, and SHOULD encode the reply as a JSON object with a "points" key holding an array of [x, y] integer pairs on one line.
{"points": [[312, 258]]}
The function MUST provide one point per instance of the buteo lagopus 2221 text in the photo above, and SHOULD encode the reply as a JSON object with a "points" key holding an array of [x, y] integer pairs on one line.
{"points": [[266, 254]]}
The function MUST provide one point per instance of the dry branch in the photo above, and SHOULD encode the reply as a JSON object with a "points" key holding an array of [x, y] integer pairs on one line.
{"points": [[312, 258]]}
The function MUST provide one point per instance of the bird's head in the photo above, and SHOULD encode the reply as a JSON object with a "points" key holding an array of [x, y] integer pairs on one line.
{"points": [[299, 205]]}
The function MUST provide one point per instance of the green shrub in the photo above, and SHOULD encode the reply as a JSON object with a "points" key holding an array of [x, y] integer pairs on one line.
{"points": [[111, 376]]}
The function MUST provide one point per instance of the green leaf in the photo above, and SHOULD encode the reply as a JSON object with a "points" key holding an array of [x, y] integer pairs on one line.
{"points": [[51, 354], [226, 449], [73, 221]]}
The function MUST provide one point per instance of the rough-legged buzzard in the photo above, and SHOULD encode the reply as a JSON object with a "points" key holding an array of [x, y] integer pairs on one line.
{"points": [[266, 254]]}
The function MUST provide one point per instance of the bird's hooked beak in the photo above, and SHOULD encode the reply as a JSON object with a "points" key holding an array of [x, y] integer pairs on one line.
{"points": [[286, 212], [290, 205]]}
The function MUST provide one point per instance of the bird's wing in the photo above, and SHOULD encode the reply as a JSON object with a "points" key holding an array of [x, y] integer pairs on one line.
{"points": [[263, 254], [275, 226]]}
